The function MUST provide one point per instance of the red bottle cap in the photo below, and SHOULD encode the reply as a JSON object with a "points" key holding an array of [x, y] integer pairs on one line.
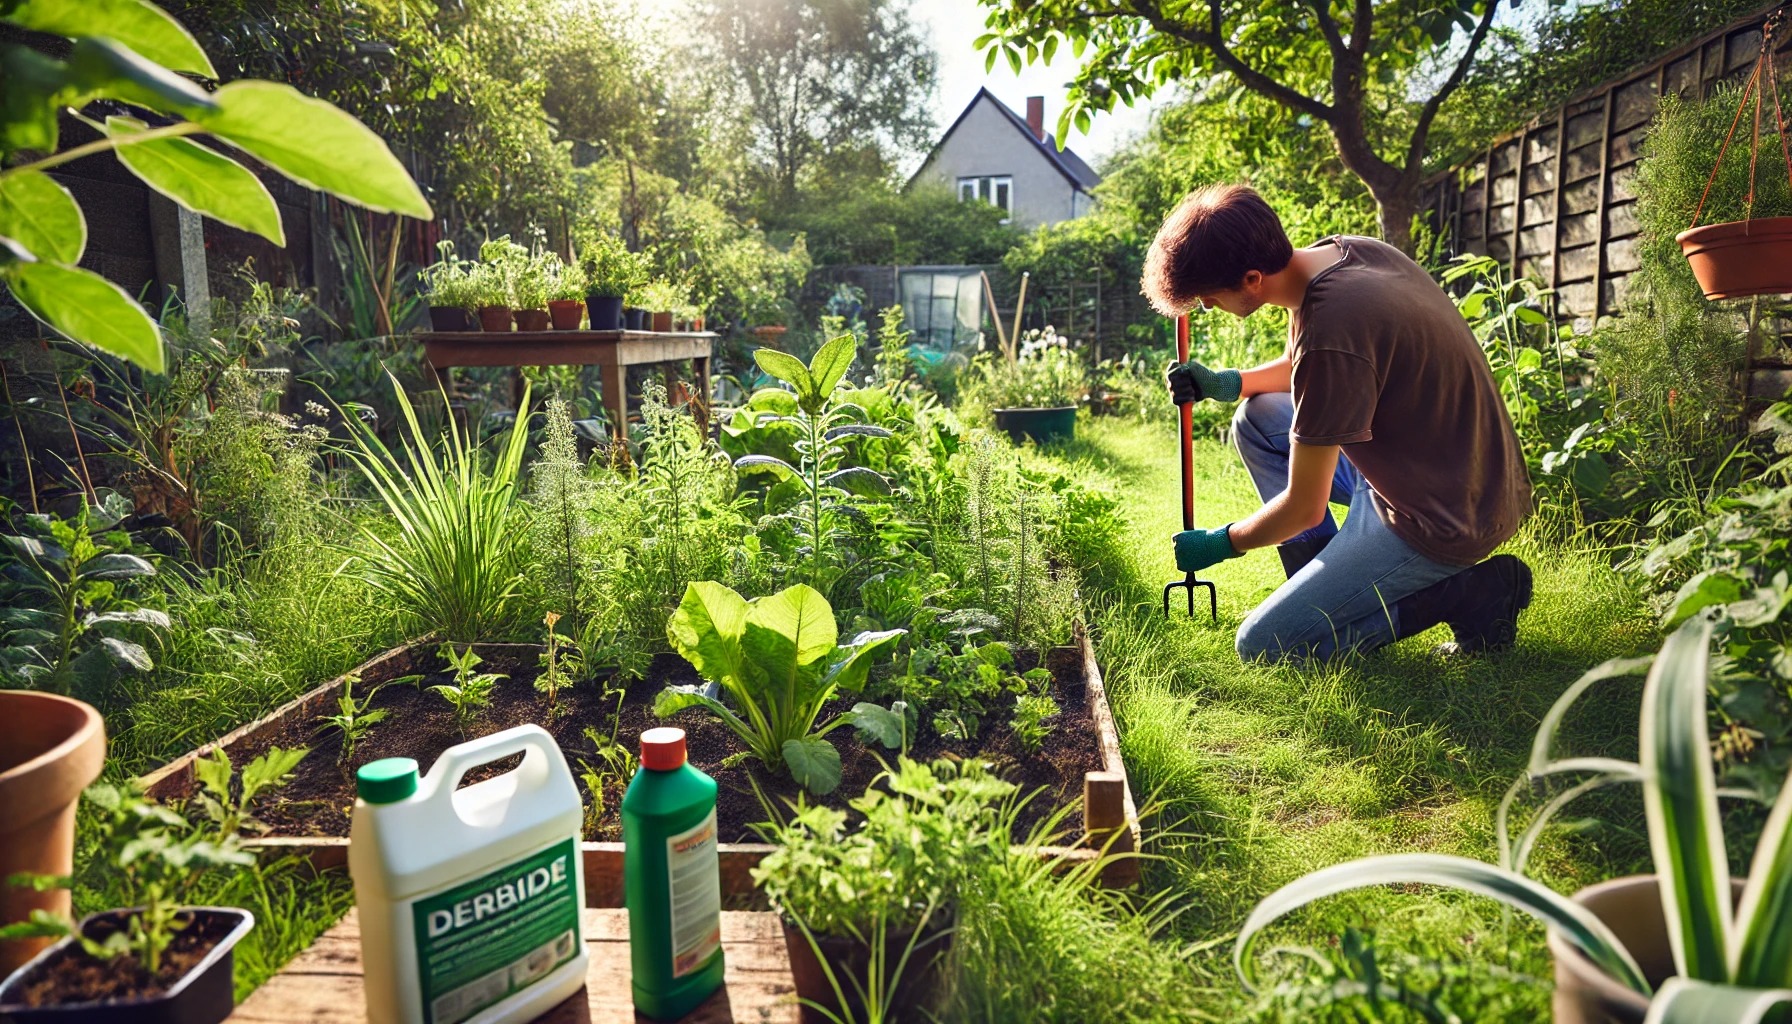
{"points": [[662, 749]]}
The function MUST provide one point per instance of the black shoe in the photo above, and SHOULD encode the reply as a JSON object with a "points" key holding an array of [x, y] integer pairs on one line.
{"points": [[1481, 605], [1297, 553]]}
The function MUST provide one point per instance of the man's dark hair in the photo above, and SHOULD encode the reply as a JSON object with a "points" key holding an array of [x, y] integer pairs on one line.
{"points": [[1208, 243]]}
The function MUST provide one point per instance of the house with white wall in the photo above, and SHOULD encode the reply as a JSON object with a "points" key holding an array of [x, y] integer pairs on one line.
{"points": [[993, 155]]}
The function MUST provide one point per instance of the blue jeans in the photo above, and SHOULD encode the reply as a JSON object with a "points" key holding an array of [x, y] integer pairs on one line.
{"points": [[1344, 599]]}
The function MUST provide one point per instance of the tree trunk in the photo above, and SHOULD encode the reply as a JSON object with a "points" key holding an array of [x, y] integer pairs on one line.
{"points": [[1395, 210]]}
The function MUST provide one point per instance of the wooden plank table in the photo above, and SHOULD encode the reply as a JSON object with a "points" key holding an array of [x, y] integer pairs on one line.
{"points": [[610, 351], [323, 984]]}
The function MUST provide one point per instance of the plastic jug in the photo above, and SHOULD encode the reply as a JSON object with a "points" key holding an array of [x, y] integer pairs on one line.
{"points": [[469, 898]]}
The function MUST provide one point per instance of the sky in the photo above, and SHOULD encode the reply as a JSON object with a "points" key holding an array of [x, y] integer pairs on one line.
{"points": [[955, 23]]}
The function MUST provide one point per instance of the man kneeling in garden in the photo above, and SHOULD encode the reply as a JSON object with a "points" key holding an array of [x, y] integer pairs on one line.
{"points": [[1383, 401]]}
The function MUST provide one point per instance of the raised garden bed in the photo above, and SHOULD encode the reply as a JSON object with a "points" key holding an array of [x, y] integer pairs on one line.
{"points": [[310, 816]]}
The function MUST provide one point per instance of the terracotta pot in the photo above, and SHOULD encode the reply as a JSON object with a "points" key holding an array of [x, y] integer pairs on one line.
{"points": [[850, 958], [204, 995], [494, 318], [567, 314], [1741, 258], [771, 336], [696, 323], [450, 318], [1631, 908], [50, 748], [662, 322], [606, 312], [532, 320]]}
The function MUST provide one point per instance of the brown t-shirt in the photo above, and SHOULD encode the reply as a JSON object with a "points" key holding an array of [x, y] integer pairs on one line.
{"points": [[1384, 364]]}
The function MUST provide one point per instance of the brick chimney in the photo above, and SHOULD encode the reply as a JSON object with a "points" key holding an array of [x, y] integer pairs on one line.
{"points": [[1036, 116]]}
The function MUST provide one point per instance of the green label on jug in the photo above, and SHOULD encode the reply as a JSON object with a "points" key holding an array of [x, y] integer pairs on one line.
{"points": [[483, 941]]}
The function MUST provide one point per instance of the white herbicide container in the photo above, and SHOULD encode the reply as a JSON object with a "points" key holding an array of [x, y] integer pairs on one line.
{"points": [[469, 899]]}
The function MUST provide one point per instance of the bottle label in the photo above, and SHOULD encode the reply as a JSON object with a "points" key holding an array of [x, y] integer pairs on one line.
{"points": [[485, 940], [694, 874]]}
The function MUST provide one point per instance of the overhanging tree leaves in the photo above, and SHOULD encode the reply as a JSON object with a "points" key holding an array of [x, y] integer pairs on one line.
{"points": [[1345, 64], [129, 51]]}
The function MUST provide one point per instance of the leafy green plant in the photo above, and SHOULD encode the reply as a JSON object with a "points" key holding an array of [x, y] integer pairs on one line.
{"points": [[451, 281], [136, 53], [659, 296], [611, 271], [226, 804], [353, 719], [532, 281], [471, 692], [560, 664], [157, 856], [1032, 719], [563, 499], [566, 284], [65, 621], [959, 690], [923, 828], [893, 358], [827, 489], [1731, 963], [453, 565], [615, 763], [1044, 374], [778, 659]]}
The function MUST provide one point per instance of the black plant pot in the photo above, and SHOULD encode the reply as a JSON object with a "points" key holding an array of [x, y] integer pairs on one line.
{"points": [[451, 318], [634, 319], [205, 995], [606, 312]]}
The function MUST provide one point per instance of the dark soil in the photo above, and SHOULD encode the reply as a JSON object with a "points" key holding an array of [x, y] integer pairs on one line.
{"points": [[321, 795], [71, 976]]}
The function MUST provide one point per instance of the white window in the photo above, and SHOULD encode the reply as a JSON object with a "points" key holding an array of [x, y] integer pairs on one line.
{"points": [[995, 190]]}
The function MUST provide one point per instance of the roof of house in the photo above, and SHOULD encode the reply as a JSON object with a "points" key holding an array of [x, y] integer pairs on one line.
{"points": [[1077, 172]]}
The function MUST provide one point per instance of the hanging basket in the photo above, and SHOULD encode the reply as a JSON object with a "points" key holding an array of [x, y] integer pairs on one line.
{"points": [[1745, 257]]}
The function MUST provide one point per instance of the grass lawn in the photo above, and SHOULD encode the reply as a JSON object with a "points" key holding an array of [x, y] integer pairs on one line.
{"points": [[1260, 774]]}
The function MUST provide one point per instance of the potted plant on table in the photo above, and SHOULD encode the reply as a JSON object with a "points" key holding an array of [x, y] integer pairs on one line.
{"points": [[611, 271], [1032, 391], [566, 297], [531, 285], [1686, 944], [868, 912], [660, 298], [490, 289], [453, 292], [156, 960]]}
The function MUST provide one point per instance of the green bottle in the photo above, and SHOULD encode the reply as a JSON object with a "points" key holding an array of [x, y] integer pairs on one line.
{"points": [[671, 880]]}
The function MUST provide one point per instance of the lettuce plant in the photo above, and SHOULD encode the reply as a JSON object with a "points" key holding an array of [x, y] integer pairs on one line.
{"points": [[779, 660]]}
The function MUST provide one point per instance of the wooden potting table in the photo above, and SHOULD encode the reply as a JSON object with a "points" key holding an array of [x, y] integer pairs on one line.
{"points": [[323, 984], [609, 351]]}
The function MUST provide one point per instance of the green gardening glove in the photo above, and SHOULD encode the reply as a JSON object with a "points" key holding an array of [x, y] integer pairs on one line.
{"points": [[1198, 549], [1192, 382]]}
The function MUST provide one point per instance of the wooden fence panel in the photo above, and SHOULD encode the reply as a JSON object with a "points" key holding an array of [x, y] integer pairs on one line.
{"points": [[1553, 199]]}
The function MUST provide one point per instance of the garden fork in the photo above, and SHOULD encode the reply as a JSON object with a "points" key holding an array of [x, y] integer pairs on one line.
{"points": [[1187, 412]]}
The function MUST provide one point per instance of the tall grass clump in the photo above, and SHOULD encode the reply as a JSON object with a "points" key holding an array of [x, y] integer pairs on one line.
{"points": [[452, 566]]}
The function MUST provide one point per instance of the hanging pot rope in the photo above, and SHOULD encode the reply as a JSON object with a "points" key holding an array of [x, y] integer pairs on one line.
{"points": [[1753, 88]]}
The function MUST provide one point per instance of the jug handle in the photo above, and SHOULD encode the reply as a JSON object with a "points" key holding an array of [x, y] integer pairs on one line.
{"points": [[532, 741]]}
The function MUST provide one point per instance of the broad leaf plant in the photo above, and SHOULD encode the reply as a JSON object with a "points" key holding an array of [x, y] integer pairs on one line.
{"points": [[132, 52]]}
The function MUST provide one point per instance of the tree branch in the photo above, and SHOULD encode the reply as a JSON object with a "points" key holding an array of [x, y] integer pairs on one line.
{"points": [[1328, 27], [1213, 41], [1415, 150], [1363, 27]]}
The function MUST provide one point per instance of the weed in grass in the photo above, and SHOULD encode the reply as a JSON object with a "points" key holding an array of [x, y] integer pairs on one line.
{"points": [[560, 664]]}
